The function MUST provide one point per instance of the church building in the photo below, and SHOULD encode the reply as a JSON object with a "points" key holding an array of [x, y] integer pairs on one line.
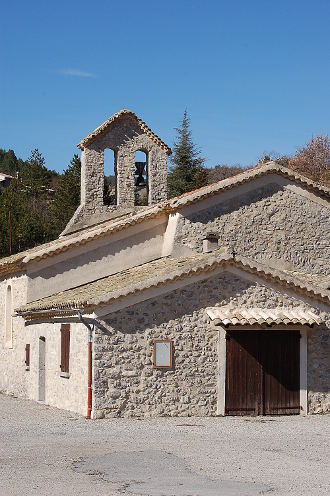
{"points": [[213, 303]]}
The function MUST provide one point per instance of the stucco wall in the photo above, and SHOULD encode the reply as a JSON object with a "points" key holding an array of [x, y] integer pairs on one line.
{"points": [[134, 246], [61, 392], [271, 223], [67, 393], [70, 393], [125, 383], [12, 357]]}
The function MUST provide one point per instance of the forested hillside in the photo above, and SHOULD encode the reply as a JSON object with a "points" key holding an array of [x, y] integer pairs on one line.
{"points": [[38, 203]]}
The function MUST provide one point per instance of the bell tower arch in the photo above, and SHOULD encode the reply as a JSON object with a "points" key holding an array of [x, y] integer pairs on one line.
{"points": [[136, 182]]}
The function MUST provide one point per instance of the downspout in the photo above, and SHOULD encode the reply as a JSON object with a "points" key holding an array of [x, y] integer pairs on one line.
{"points": [[90, 339]]}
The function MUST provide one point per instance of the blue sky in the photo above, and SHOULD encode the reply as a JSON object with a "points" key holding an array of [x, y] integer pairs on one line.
{"points": [[253, 75]]}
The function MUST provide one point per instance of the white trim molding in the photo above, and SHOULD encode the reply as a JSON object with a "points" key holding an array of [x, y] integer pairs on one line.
{"points": [[303, 371]]}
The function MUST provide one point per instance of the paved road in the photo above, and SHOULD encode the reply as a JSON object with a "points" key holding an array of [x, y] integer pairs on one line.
{"points": [[44, 451]]}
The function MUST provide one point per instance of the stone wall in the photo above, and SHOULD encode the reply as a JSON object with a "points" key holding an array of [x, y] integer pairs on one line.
{"points": [[318, 368], [125, 383], [125, 137], [271, 223]]}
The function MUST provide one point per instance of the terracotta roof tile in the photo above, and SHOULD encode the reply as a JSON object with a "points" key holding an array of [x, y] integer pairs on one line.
{"points": [[229, 316], [124, 112], [155, 273], [247, 176]]}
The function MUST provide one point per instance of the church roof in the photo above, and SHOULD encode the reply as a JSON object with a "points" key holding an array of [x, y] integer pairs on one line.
{"points": [[245, 177], [158, 272], [114, 118], [16, 263]]}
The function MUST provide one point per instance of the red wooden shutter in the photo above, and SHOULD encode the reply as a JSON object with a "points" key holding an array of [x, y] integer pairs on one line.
{"points": [[27, 355], [65, 347]]}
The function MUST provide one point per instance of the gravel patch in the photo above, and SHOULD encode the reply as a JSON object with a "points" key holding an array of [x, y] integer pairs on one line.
{"points": [[48, 451]]}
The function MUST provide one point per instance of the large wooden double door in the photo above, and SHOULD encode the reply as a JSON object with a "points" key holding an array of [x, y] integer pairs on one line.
{"points": [[262, 373]]}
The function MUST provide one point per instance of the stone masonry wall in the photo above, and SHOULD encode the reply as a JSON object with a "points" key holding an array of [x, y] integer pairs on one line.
{"points": [[269, 223], [125, 383], [318, 368], [125, 137]]}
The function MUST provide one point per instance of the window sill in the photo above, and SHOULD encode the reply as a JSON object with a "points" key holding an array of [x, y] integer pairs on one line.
{"points": [[65, 375]]}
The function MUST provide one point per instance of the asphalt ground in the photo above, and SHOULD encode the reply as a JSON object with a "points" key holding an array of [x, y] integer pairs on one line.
{"points": [[45, 451]]}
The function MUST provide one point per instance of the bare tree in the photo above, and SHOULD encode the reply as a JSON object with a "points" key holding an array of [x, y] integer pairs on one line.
{"points": [[313, 160]]}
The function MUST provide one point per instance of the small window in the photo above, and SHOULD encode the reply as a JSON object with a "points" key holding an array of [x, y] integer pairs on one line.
{"points": [[27, 357], [65, 349], [9, 318], [162, 353]]}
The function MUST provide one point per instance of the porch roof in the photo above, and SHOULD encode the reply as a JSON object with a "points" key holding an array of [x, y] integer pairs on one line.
{"points": [[159, 272], [230, 316]]}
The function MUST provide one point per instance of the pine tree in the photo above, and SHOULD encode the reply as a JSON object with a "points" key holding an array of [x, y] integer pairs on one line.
{"points": [[188, 171], [67, 198], [19, 213], [34, 175], [9, 164], [27, 206]]}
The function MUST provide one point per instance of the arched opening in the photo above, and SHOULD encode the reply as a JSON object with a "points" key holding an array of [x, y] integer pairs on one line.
{"points": [[141, 191], [9, 321], [110, 177]]}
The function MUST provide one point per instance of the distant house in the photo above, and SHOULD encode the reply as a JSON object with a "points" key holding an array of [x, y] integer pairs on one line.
{"points": [[5, 180], [212, 303]]}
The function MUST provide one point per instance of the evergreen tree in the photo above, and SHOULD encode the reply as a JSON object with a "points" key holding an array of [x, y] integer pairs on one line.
{"points": [[187, 172], [67, 198], [19, 215], [9, 163], [28, 208], [34, 175]]}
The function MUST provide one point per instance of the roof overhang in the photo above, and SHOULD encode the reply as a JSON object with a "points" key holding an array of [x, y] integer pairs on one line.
{"points": [[116, 117], [163, 275], [228, 316]]}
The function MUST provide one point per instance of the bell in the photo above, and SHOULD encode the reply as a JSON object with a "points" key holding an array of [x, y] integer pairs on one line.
{"points": [[139, 170]]}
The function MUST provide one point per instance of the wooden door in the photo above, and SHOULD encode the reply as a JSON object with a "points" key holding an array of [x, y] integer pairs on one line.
{"points": [[244, 374], [262, 373], [281, 372]]}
